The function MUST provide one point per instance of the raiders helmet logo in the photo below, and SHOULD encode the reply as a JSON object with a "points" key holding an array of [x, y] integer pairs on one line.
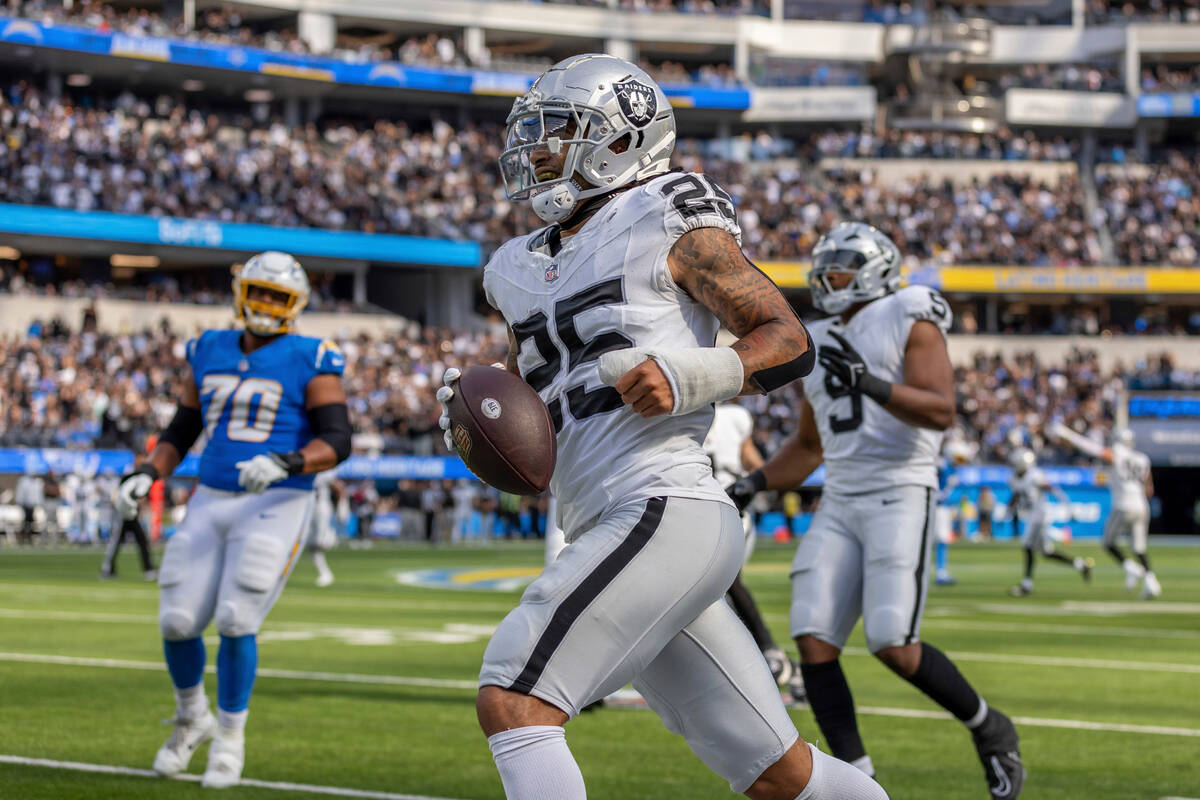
{"points": [[637, 101]]}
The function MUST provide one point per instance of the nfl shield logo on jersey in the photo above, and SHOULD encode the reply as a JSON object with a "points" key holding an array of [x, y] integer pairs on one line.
{"points": [[551, 273], [637, 101]]}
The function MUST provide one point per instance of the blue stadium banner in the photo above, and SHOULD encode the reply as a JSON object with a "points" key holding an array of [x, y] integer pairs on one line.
{"points": [[1085, 488], [1169, 104], [176, 232], [92, 462], [390, 74]]}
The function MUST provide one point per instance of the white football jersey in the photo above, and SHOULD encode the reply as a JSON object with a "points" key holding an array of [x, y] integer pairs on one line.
{"points": [[1028, 496], [731, 427], [866, 448], [1128, 479], [607, 288]]}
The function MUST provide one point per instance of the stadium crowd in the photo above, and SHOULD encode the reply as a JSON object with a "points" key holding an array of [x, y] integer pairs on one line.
{"points": [[163, 156], [1153, 211], [75, 386], [194, 286]]}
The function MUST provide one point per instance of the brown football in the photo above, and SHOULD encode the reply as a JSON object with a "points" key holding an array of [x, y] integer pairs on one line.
{"points": [[502, 430]]}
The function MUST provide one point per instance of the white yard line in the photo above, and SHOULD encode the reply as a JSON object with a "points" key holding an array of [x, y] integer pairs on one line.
{"points": [[1058, 661], [395, 680], [942, 618], [289, 674], [1073, 630], [32, 592], [336, 791], [1039, 722]]}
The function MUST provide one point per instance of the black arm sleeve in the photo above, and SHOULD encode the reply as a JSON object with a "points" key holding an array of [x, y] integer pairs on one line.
{"points": [[331, 424], [772, 378], [185, 428]]}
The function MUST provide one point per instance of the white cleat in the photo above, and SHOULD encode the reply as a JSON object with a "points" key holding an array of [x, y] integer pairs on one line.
{"points": [[225, 759], [324, 579], [173, 757], [1133, 574], [1150, 587]]}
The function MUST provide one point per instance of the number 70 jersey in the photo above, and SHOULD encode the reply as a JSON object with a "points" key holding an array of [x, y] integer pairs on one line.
{"points": [[866, 448], [254, 403], [608, 287]]}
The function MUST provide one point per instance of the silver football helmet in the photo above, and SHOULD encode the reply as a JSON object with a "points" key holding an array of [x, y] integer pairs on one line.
{"points": [[1124, 436], [1022, 460], [859, 248], [278, 272], [610, 118]]}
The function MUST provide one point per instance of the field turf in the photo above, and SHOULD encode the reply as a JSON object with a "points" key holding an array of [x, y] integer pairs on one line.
{"points": [[368, 685]]}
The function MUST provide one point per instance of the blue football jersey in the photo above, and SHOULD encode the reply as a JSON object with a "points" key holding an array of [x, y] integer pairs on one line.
{"points": [[947, 479], [253, 403]]}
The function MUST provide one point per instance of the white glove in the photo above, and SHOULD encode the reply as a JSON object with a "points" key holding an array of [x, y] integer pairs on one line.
{"points": [[260, 472], [445, 394], [130, 492]]}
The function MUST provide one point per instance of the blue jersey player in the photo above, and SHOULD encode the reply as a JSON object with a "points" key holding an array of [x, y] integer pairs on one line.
{"points": [[955, 453], [272, 406]]}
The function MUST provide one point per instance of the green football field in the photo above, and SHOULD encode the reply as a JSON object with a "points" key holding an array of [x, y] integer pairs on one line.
{"points": [[366, 688]]}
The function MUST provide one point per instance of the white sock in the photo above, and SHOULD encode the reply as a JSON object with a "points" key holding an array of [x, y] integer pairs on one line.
{"points": [[1027, 584], [535, 763], [191, 703], [833, 779], [318, 558], [232, 723], [865, 765]]}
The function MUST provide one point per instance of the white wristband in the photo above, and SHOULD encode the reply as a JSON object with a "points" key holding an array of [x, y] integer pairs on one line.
{"points": [[699, 376]]}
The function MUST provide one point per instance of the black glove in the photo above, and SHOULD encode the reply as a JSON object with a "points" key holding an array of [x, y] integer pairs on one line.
{"points": [[848, 368], [742, 491]]}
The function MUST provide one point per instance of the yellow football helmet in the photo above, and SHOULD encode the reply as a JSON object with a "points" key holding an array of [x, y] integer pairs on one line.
{"points": [[278, 272]]}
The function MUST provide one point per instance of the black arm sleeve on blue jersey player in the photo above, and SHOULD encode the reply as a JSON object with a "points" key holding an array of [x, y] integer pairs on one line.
{"points": [[331, 424], [185, 428]]}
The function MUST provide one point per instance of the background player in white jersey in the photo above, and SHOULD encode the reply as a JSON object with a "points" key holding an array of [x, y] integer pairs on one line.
{"points": [[874, 411], [1131, 486], [730, 447], [274, 412], [614, 310], [322, 536], [1028, 505]]}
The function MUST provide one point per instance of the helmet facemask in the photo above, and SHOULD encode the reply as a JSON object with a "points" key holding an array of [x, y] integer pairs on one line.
{"points": [[579, 137], [858, 249], [589, 125], [262, 317]]}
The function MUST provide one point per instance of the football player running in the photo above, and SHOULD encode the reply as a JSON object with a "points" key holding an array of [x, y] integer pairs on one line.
{"points": [[273, 408], [613, 310], [1029, 489], [874, 412], [1131, 486]]}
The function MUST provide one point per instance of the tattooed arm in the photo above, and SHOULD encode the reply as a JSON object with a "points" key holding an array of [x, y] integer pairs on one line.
{"points": [[708, 264], [510, 361]]}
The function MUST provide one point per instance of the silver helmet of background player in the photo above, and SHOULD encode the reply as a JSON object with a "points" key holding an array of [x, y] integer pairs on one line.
{"points": [[1022, 460], [608, 117], [861, 249], [278, 272], [1123, 436]]}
